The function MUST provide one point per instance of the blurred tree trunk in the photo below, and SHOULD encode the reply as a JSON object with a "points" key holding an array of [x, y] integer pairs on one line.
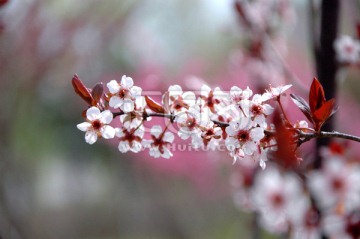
{"points": [[326, 61]]}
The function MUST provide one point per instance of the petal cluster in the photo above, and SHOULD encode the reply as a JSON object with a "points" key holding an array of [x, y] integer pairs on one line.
{"points": [[209, 119]]}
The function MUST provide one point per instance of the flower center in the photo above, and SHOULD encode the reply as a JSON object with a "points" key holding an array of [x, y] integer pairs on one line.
{"points": [[243, 136], [337, 184], [349, 49], [210, 103], [96, 124], [209, 132], [157, 142], [256, 109], [190, 122], [123, 93], [277, 200], [129, 136]]}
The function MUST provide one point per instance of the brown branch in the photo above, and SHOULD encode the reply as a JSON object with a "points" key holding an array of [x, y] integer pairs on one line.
{"points": [[333, 134], [304, 136]]}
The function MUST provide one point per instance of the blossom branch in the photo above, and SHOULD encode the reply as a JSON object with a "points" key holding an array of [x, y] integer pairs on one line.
{"points": [[300, 131], [238, 119]]}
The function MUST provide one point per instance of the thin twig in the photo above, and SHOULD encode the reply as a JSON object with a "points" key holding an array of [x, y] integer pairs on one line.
{"points": [[333, 134], [304, 136]]}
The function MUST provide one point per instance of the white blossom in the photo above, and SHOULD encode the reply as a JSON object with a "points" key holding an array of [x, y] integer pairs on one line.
{"points": [[130, 138], [212, 100], [190, 123], [97, 125], [237, 94], [337, 183], [243, 138], [180, 101], [347, 49], [275, 92], [275, 195], [159, 142], [209, 137], [123, 95]]}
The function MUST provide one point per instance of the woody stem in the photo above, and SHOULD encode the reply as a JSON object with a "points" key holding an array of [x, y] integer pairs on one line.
{"points": [[301, 134]]}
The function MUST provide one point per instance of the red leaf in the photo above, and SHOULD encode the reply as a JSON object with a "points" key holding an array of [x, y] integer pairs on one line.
{"points": [[166, 101], [303, 106], [316, 96], [153, 105], [3, 2], [81, 90], [97, 93], [285, 154], [358, 30], [324, 113]]}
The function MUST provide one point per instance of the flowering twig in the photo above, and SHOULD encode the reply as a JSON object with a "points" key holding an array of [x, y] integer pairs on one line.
{"points": [[300, 131], [237, 119]]}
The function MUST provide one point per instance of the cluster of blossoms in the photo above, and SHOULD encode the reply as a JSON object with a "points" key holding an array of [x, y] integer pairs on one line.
{"points": [[209, 118], [285, 199]]}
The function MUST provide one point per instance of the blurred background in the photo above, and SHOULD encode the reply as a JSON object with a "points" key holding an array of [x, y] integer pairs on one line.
{"points": [[54, 185]]}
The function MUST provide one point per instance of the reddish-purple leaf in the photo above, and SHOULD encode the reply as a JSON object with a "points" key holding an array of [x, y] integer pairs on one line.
{"points": [[316, 96], [303, 106], [153, 105], [81, 90], [97, 93], [322, 114], [3, 2], [83, 113], [166, 101], [285, 154]]}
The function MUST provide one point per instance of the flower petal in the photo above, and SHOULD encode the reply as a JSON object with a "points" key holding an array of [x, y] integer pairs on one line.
{"points": [[184, 134], [84, 126], [154, 152], [124, 146], [189, 98], [249, 148], [168, 137], [139, 132], [257, 133], [268, 109], [127, 106], [135, 91], [232, 143], [126, 82], [113, 87], [156, 130], [136, 147], [106, 117], [205, 90], [119, 132], [107, 132], [93, 113], [231, 129], [262, 164], [167, 154], [90, 137], [175, 90], [116, 102]]}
